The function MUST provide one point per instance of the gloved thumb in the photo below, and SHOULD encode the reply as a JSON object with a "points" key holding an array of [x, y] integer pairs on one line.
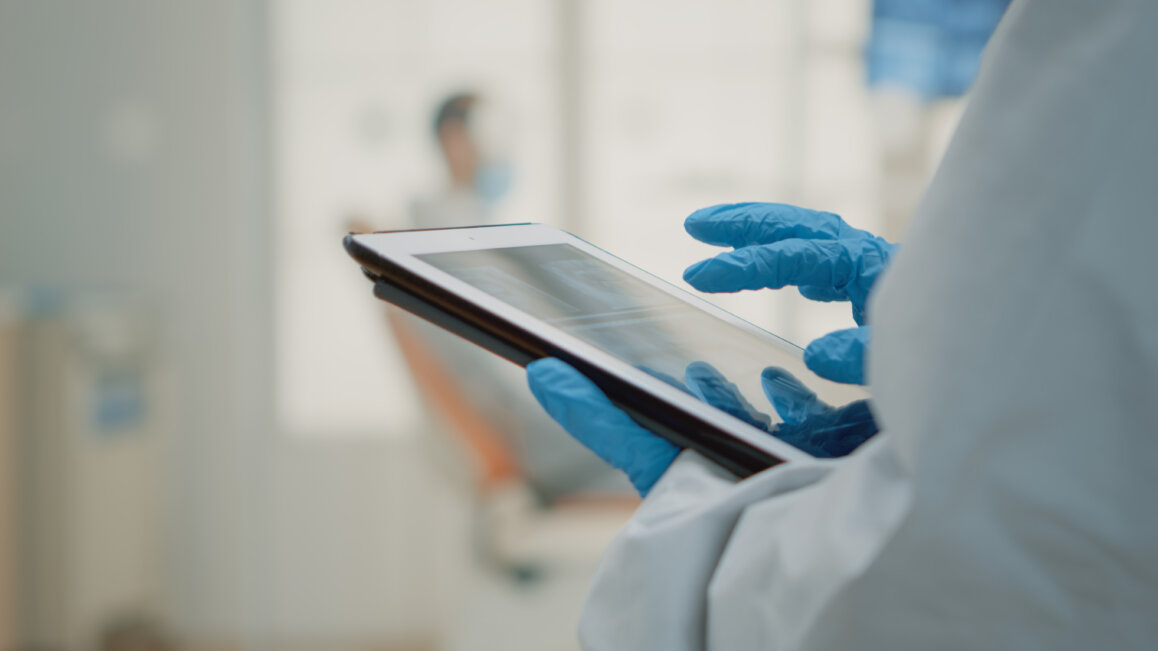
{"points": [[587, 414], [840, 356]]}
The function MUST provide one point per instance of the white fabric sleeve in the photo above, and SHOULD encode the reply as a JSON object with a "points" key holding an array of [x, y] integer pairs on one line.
{"points": [[652, 590], [660, 565]]}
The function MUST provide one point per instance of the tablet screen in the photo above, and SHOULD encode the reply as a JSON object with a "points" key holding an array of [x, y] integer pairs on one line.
{"points": [[643, 325]]}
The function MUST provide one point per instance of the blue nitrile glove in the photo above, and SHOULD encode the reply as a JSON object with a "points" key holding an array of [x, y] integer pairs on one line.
{"points": [[776, 245], [586, 413], [811, 424], [840, 356]]}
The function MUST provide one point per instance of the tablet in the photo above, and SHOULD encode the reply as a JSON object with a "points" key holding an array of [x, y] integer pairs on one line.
{"points": [[528, 291]]}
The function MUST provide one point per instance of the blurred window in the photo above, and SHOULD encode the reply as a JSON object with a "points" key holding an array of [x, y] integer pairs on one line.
{"points": [[356, 85]]}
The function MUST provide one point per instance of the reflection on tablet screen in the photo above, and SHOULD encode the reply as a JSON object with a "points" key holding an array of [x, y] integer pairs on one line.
{"points": [[626, 317]]}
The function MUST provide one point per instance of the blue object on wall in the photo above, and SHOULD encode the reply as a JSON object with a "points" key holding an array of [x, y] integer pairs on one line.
{"points": [[931, 47]]}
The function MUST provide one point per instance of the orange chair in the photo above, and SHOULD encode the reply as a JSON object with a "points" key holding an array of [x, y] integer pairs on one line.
{"points": [[512, 530], [492, 456]]}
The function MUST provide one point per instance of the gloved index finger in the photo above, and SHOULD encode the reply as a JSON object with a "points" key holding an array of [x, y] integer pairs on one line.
{"points": [[826, 264], [746, 224]]}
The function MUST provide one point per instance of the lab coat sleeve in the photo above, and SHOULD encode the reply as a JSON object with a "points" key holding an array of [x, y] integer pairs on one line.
{"points": [[649, 592], [658, 584]]}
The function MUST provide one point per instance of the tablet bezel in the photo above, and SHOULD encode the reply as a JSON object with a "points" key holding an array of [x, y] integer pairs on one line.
{"points": [[392, 256]]}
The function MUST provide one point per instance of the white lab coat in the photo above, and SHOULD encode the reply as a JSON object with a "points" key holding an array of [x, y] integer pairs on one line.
{"points": [[1011, 501]]}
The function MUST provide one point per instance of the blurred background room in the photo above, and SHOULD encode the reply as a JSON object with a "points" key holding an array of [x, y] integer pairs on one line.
{"points": [[214, 438]]}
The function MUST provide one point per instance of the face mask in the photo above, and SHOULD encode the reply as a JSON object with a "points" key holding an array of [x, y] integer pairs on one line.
{"points": [[493, 179]]}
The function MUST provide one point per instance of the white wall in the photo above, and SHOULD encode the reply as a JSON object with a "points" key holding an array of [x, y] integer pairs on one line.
{"points": [[131, 158]]}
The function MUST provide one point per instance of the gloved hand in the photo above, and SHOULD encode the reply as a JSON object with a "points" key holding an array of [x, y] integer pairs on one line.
{"points": [[808, 422], [777, 245], [588, 415]]}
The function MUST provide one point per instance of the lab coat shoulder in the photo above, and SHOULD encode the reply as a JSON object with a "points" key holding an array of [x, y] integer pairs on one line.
{"points": [[1016, 338], [1008, 502]]}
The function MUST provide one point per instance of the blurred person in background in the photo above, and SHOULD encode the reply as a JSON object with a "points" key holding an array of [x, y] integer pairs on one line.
{"points": [[474, 142], [921, 56]]}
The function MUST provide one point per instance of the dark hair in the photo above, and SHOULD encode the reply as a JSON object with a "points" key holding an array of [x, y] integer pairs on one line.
{"points": [[455, 109]]}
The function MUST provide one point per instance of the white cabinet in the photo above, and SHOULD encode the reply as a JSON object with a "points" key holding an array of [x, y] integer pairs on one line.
{"points": [[84, 395]]}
